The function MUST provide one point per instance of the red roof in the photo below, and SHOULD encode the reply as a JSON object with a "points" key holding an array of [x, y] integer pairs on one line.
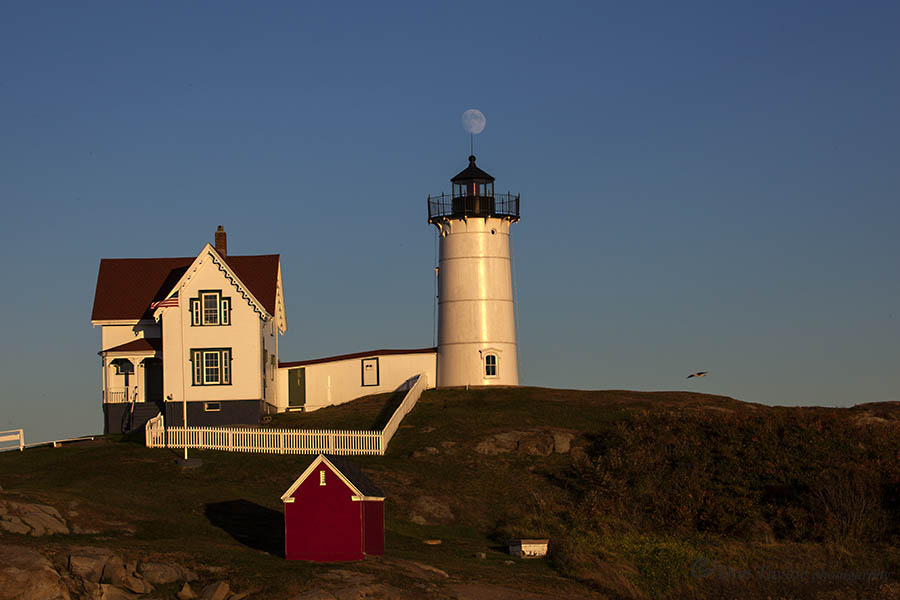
{"points": [[138, 345], [315, 361], [127, 286]]}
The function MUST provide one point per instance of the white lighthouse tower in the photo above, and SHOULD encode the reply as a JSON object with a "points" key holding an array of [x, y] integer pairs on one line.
{"points": [[476, 308]]}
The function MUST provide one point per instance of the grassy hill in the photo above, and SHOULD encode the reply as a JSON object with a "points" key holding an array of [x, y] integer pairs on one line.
{"points": [[643, 495]]}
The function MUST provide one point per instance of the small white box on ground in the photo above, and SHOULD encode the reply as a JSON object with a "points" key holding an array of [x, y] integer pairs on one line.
{"points": [[528, 548]]}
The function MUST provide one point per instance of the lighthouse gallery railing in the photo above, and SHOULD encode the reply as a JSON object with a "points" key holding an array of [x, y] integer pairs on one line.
{"points": [[447, 206]]}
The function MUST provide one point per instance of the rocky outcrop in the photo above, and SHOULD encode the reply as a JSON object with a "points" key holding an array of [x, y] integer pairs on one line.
{"points": [[427, 451], [96, 573], [25, 574], [428, 509], [31, 519], [542, 442], [101, 565], [219, 590], [159, 573]]}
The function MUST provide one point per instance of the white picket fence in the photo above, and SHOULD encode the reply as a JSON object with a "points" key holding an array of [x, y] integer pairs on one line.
{"points": [[13, 435], [284, 441]]}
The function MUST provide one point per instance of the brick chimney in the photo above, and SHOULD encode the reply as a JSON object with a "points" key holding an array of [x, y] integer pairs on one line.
{"points": [[221, 241]]}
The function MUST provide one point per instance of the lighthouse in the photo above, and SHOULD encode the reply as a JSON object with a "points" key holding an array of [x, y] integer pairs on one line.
{"points": [[476, 308]]}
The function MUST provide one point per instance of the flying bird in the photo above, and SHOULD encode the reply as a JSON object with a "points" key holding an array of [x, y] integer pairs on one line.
{"points": [[697, 374]]}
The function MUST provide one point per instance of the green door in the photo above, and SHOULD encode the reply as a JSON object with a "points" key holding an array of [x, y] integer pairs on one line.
{"points": [[297, 387]]}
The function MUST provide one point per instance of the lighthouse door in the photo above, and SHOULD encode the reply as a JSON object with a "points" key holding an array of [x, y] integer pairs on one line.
{"points": [[297, 387]]}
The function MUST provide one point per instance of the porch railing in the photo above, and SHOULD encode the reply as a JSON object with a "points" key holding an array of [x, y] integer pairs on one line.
{"points": [[284, 441], [120, 396]]}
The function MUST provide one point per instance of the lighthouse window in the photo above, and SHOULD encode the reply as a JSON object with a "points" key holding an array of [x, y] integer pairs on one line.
{"points": [[490, 365]]}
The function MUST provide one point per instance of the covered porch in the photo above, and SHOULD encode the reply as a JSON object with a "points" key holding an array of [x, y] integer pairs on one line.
{"points": [[132, 372]]}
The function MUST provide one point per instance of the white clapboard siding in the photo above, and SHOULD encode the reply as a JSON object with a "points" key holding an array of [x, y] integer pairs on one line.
{"points": [[284, 441]]}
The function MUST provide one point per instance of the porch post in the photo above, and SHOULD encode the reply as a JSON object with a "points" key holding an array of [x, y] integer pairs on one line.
{"points": [[103, 391], [140, 373]]}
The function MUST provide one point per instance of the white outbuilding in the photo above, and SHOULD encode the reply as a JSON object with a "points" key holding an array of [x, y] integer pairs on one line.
{"points": [[528, 548]]}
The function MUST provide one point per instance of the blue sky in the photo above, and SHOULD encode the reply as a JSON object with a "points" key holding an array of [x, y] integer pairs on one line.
{"points": [[705, 186]]}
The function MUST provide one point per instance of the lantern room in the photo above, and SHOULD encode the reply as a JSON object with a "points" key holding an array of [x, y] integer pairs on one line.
{"points": [[473, 182], [472, 195]]}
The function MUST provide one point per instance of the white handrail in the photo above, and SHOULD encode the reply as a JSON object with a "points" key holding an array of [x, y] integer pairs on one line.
{"points": [[13, 435], [409, 401]]}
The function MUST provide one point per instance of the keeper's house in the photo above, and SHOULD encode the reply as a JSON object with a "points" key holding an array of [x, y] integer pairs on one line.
{"points": [[204, 330]]}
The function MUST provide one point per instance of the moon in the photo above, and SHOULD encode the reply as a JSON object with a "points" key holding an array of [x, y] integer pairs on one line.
{"points": [[473, 121]]}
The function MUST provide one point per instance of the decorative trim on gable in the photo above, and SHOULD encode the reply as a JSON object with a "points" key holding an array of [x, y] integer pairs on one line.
{"points": [[233, 279]]}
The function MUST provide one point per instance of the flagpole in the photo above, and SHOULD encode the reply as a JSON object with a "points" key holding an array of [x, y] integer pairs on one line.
{"points": [[183, 386]]}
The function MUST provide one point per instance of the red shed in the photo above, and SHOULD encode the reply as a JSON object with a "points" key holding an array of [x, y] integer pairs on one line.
{"points": [[332, 513]]}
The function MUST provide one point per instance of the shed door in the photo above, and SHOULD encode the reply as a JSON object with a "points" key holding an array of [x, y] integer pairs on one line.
{"points": [[297, 387], [370, 371]]}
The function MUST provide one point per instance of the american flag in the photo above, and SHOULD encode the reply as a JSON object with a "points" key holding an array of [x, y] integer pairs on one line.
{"points": [[173, 301]]}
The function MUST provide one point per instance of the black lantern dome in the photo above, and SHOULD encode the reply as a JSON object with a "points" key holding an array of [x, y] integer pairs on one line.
{"points": [[473, 196], [472, 181]]}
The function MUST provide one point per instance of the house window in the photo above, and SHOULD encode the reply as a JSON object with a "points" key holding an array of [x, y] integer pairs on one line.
{"points": [[212, 406], [211, 366], [322, 477], [490, 365], [211, 371], [210, 308]]}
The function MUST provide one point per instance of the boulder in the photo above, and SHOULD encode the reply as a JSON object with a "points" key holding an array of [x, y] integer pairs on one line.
{"points": [[500, 443], [111, 592], [25, 574], [14, 524], [186, 593], [88, 563], [536, 444], [532, 443], [161, 573], [314, 595], [377, 591], [216, 591], [39, 519], [562, 441], [427, 451], [117, 573], [429, 508]]}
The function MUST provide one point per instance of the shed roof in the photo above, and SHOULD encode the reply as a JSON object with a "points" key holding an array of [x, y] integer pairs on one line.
{"points": [[127, 286], [348, 471], [352, 472]]}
